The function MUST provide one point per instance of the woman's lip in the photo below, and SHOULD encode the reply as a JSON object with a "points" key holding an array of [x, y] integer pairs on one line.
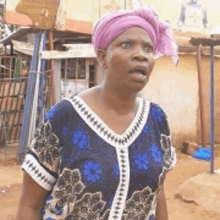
{"points": [[139, 69], [137, 76]]}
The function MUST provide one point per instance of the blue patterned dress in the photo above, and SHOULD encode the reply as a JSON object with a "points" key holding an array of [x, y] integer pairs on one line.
{"points": [[93, 173]]}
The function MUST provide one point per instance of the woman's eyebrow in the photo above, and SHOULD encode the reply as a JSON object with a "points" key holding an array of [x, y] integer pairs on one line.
{"points": [[149, 43], [134, 39], [126, 39]]}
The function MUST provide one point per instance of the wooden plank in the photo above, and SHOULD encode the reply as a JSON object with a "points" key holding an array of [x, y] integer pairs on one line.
{"points": [[89, 53], [22, 47], [42, 13], [10, 67], [74, 51]]}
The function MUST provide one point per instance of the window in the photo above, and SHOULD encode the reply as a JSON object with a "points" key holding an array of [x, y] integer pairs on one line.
{"points": [[91, 76], [7, 66], [77, 74]]}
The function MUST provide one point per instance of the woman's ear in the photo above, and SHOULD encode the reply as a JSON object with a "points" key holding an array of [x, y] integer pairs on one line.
{"points": [[101, 57]]}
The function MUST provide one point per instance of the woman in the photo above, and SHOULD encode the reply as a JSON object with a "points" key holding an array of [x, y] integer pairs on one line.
{"points": [[104, 153]]}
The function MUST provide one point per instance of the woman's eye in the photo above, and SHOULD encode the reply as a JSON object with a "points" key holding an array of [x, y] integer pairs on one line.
{"points": [[126, 45], [149, 48]]}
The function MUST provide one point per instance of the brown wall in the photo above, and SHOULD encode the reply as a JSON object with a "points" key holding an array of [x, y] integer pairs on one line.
{"points": [[176, 90], [206, 97]]}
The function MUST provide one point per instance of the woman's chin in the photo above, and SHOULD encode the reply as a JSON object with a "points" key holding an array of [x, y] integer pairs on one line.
{"points": [[138, 86]]}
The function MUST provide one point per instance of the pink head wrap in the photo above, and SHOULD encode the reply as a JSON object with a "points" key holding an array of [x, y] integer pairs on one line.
{"points": [[114, 24]]}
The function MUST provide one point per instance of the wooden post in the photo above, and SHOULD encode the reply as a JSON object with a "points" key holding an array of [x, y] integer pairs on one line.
{"points": [[201, 107], [11, 49], [212, 108], [52, 75], [10, 64]]}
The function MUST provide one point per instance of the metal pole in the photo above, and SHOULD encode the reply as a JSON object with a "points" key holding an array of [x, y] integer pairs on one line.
{"points": [[201, 107], [52, 75], [212, 129], [36, 93], [28, 102], [42, 82]]}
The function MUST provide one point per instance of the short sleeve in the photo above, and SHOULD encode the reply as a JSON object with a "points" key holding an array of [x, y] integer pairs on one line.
{"points": [[166, 145], [169, 152], [43, 158]]}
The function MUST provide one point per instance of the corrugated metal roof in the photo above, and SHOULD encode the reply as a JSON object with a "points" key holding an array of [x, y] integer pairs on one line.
{"points": [[17, 35], [21, 35]]}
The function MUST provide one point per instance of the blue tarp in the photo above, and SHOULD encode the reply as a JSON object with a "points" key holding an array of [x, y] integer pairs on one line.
{"points": [[202, 154]]}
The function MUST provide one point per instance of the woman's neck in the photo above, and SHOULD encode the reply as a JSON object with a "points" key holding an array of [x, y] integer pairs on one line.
{"points": [[117, 99]]}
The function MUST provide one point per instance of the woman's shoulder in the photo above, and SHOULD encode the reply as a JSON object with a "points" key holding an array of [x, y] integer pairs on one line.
{"points": [[155, 107], [61, 110], [157, 112]]}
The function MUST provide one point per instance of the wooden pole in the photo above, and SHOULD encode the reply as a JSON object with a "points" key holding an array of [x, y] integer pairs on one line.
{"points": [[201, 105], [212, 123], [52, 75]]}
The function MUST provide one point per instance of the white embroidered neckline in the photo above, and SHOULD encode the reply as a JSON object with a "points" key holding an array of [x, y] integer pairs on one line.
{"points": [[98, 125]]}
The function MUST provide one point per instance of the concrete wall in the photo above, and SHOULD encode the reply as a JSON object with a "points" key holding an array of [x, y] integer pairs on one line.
{"points": [[206, 98], [176, 91]]}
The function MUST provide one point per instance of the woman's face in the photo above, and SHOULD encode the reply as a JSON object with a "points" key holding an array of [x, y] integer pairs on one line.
{"points": [[129, 60]]}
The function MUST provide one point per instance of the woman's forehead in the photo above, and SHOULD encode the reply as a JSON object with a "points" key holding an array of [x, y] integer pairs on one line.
{"points": [[134, 33]]}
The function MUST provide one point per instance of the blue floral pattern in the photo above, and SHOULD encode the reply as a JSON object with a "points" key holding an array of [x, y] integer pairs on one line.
{"points": [[50, 114], [80, 138], [64, 131], [151, 217], [109, 203], [86, 168], [156, 152], [92, 171], [116, 171], [49, 218], [157, 113], [64, 202], [142, 161], [146, 129]]}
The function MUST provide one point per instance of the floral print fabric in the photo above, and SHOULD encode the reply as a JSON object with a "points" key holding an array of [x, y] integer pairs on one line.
{"points": [[87, 169], [139, 205], [46, 145]]}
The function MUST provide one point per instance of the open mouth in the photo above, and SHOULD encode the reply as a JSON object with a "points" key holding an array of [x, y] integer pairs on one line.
{"points": [[139, 70]]}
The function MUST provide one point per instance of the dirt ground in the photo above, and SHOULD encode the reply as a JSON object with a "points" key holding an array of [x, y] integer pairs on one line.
{"points": [[186, 167]]}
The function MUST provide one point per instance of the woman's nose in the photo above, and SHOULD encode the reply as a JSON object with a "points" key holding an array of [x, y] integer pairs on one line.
{"points": [[140, 55]]}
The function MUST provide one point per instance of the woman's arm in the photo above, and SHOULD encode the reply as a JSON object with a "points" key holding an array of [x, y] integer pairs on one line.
{"points": [[31, 201], [161, 212]]}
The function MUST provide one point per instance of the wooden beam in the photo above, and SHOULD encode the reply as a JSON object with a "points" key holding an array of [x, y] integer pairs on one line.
{"points": [[201, 105]]}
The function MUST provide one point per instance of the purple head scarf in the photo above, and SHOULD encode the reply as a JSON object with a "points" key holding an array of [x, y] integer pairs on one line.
{"points": [[114, 24]]}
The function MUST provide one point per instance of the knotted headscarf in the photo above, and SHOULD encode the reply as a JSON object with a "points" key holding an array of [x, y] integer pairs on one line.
{"points": [[114, 24]]}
